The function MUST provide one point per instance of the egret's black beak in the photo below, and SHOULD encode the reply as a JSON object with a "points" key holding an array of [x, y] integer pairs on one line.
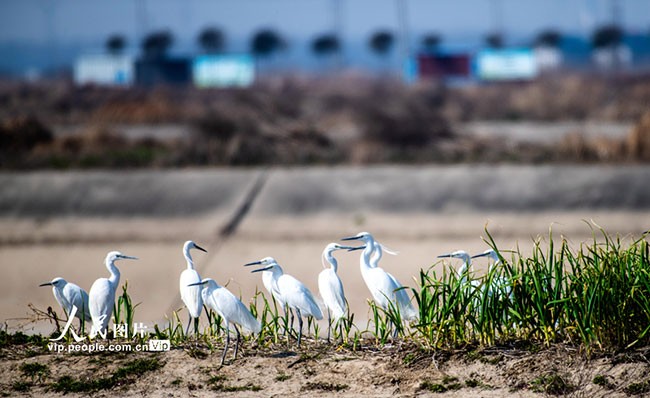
{"points": [[125, 257], [444, 255], [253, 263], [261, 269], [45, 284], [351, 249], [197, 283], [351, 238], [200, 248], [479, 255]]}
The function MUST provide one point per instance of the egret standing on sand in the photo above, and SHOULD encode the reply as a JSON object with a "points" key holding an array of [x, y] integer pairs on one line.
{"points": [[330, 286], [291, 291], [102, 294], [230, 308], [384, 287], [67, 294], [190, 292]]}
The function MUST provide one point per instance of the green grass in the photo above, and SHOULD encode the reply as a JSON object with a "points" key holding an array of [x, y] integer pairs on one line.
{"points": [[34, 370], [219, 383], [597, 296], [324, 386]]}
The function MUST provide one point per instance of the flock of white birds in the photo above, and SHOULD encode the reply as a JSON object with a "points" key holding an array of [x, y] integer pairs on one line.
{"points": [[293, 295]]}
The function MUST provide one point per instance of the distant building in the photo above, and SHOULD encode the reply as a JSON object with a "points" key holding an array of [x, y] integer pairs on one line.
{"points": [[165, 71], [444, 66], [108, 70], [223, 70], [548, 58], [613, 57], [506, 64]]}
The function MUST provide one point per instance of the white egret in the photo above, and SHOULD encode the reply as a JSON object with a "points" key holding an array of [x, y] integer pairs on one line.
{"points": [[330, 286], [384, 287], [499, 284], [191, 294], [230, 308], [67, 294], [465, 270], [101, 297], [291, 291]]}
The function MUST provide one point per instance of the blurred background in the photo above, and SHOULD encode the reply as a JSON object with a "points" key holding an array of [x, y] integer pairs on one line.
{"points": [[262, 128]]}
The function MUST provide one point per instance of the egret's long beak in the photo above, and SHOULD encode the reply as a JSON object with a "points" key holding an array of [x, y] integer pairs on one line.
{"points": [[351, 249], [351, 238], [45, 284], [200, 248], [480, 255], [125, 257], [342, 247], [261, 269], [445, 255], [253, 263], [197, 283]]}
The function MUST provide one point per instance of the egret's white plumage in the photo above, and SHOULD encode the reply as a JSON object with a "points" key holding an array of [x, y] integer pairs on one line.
{"points": [[383, 286], [331, 287], [101, 297], [290, 290], [68, 294], [466, 269], [499, 284], [190, 292], [230, 308]]}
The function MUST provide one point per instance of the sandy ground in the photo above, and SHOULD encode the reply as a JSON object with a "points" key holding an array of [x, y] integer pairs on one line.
{"points": [[318, 369]]}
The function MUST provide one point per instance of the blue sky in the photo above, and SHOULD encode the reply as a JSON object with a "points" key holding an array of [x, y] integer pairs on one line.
{"points": [[93, 20], [36, 32]]}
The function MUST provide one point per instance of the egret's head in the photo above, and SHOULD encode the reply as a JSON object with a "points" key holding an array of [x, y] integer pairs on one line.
{"points": [[335, 246], [56, 282], [202, 283], [115, 255], [366, 237], [487, 253], [191, 245], [268, 262], [457, 254]]}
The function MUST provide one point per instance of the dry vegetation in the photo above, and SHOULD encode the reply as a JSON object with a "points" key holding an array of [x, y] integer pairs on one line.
{"points": [[291, 121]]}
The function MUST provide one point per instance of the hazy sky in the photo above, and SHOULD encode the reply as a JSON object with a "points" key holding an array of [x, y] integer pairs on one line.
{"points": [[93, 20]]}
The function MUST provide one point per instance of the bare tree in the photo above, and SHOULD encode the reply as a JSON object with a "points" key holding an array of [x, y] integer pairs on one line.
{"points": [[381, 42], [157, 44]]}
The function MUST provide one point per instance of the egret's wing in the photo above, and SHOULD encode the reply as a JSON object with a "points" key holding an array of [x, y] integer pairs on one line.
{"points": [[233, 310], [331, 290], [403, 301], [191, 295], [298, 296], [79, 298], [100, 303], [60, 298]]}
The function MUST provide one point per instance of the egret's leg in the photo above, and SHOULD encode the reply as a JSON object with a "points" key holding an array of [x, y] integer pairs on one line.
{"points": [[291, 323], [196, 326], [238, 340], [189, 321], [299, 326], [225, 349], [286, 319], [329, 324]]}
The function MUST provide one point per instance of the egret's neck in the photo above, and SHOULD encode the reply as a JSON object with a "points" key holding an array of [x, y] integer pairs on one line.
{"points": [[374, 262], [330, 259], [364, 259], [115, 273], [188, 258]]}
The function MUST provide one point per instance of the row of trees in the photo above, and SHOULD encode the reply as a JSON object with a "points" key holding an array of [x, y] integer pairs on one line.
{"points": [[266, 42]]}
